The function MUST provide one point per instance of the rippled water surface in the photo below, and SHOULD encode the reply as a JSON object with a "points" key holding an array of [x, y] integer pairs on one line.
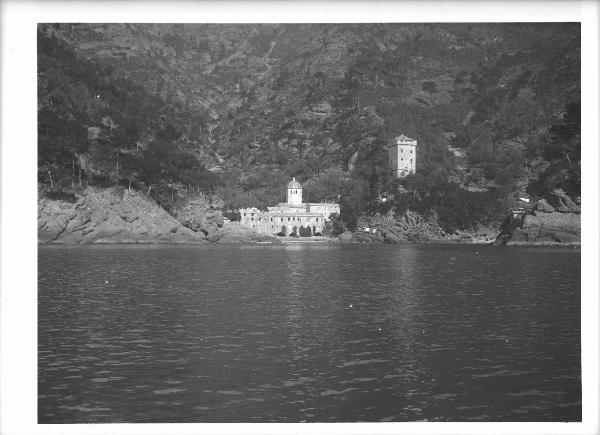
{"points": [[308, 332]]}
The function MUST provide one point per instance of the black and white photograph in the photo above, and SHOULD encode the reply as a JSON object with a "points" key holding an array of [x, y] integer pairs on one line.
{"points": [[308, 222]]}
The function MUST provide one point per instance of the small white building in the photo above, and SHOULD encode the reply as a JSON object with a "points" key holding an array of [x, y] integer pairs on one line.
{"points": [[402, 153]]}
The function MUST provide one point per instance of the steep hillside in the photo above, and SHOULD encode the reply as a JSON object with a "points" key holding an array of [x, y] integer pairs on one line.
{"points": [[238, 109]]}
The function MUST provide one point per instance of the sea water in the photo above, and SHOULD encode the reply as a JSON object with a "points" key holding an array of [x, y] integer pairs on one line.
{"points": [[308, 333]]}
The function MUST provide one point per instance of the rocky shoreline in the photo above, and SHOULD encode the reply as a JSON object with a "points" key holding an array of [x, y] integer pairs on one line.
{"points": [[554, 220], [412, 228], [114, 215], [119, 215], [122, 216]]}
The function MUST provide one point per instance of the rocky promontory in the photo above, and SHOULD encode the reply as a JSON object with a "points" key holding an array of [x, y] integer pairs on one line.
{"points": [[554, 220], [114, 215], [119, 215]]}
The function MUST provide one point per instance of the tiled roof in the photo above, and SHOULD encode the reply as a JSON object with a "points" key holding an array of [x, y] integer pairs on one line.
{"points": [[404, 137]]}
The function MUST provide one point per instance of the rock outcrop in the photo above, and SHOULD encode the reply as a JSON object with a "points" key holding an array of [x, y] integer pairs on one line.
{"points": [[562, 203], [114, 215], [200, 213], [547, 228], [411, 228], [347, 237], [553, 220], [233, 232]]}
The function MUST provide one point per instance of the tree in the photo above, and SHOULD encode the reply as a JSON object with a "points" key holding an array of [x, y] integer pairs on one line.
{"points": [[565, 136]]}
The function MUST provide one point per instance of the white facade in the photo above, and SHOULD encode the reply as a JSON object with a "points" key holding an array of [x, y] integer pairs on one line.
{"points": [[292, 217], [325, 208], [403, 155]]}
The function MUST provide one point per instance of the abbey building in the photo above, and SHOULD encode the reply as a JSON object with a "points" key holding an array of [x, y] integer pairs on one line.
{"points": [[290, 217]]}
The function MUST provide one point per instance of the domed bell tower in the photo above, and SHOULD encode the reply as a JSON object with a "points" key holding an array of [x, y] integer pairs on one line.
{"points": [[294, 192]]}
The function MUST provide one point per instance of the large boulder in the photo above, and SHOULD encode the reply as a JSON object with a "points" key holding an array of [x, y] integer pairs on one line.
{"points": [[214, 237], [562, 202], [563, 237], [347, 237], [543, 206], [198, 212]]}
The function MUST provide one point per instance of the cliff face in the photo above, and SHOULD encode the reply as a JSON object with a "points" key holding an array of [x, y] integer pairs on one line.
{"points": [[199, 212], [554, 220], [113, 215]]}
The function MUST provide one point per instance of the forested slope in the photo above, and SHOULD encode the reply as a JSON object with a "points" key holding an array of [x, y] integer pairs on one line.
{"points": [[236, 110]]}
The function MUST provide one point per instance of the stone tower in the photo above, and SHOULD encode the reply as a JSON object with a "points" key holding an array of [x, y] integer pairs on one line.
{"points": [[294, 192], [403, 156]]}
